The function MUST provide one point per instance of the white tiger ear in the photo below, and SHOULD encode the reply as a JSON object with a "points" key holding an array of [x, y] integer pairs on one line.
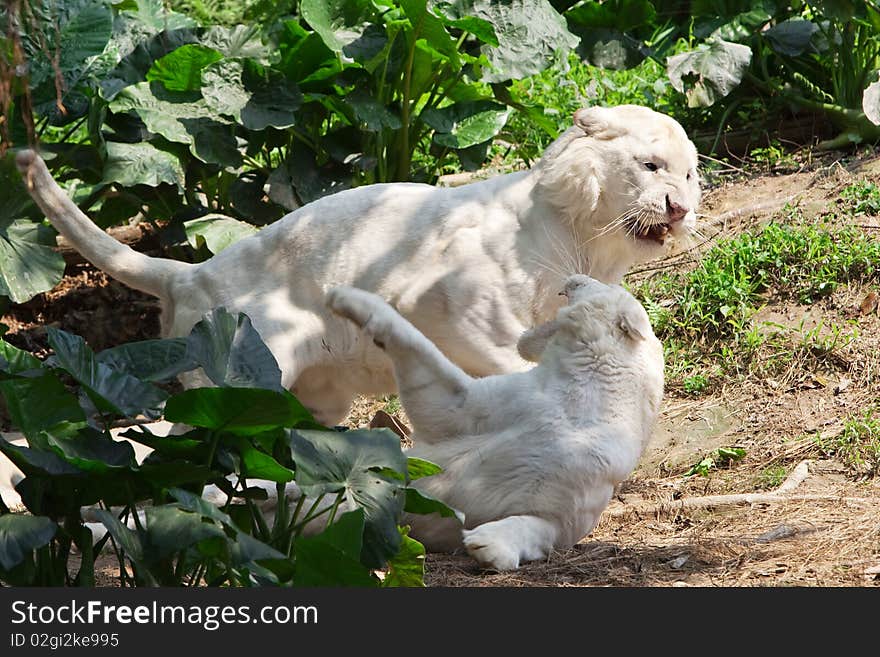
{"points": [[633, 324], [598, 122]]}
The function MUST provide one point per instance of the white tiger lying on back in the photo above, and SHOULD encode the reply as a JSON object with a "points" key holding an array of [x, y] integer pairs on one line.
{"points": [[531, 458]]}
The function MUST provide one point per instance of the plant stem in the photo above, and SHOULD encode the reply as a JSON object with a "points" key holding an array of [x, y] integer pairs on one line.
{"points": [[339, 497], [288, 547], [297, 528]]}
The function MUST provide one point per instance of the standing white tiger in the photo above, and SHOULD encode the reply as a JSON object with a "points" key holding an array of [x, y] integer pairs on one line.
{"points": [[531, 458], [471, 266]]}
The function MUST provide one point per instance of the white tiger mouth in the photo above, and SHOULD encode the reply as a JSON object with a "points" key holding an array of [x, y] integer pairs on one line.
{"points": [[652, 232]]}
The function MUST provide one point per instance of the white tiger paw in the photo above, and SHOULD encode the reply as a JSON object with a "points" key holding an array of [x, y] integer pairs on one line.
{"points": [[353, 304], [491, 548]]}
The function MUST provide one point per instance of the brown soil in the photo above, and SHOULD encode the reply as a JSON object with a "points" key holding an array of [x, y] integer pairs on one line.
{"points": [[825, 531]]}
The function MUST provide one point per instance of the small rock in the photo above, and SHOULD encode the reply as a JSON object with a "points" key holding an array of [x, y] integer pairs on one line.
{"points": [[778, 532], [677, 562]]}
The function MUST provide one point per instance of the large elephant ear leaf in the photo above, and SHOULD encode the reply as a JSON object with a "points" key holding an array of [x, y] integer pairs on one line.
{"points": [[332, 558], [529, 34], [344, 25], [123, 393], [466, 124], [28, 263], [231, 352], [20, 534], [362, 465], [710, 72]]}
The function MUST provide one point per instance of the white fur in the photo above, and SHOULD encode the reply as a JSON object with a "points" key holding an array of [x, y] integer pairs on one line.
{"points": [[472, 267], [530, 458]]}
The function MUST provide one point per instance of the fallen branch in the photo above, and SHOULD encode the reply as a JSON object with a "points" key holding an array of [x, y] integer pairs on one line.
{"points": [[780, 495]]}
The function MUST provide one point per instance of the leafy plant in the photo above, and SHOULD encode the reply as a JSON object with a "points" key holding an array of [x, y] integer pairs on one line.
{"points": [[772, 157], [858, 445], [695, 384], [772, 477], [861, 197], [247, 428], [721, 457], [143, 112]]}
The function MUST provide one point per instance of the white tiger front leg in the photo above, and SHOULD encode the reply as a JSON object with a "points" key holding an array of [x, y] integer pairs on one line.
{"points": [[532, 343], [431, 387], [504, 544]]}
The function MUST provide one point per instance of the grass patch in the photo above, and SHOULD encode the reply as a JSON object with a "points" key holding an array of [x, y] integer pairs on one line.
{"points": [[858, 445], [705, 317], [392, 404], [696, 384], [861, 197], [772, 477]]}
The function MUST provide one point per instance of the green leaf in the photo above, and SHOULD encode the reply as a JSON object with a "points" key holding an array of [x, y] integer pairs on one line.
{"points": [[792, 37], [710, 72], [339, 22], [244, 411], [91, 451], [216, 231], [417, 468], [420, 502], [76, 32], [353, 462], [466, 124], [14, 197], [255, 96], [41, 404], [181, 70], [15, 361], [223, 88], [371, 115], [454, 14], [301, 172], [149, 360], [727, 454], [20, 534], [155, 16], [332, 558], [429, 27], [175, 473], [123, 392], [236, 41], [304, 56], [622, 15], [183, 117], [192, 502], [407, 567], [141, 164], [260, 465], [28, 264], [608, 47], [232, 353], [246, 549], [171, 529], [37, 463], [530, 33], [129, 542]]}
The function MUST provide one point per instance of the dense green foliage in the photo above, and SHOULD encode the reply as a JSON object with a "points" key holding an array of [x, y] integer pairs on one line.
{"points": [[221, 116], [247, 427]]}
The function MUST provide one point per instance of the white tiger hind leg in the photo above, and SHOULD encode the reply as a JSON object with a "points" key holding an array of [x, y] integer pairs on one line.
{"points": [[432, 388], [504, 544]]}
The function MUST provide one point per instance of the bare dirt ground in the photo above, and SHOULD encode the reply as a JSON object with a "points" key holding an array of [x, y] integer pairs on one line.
{"points": [[819, 525]]}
